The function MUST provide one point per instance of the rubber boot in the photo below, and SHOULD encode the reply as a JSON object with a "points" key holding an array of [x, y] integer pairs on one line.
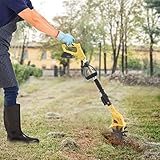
{"points": [[13, 125]]}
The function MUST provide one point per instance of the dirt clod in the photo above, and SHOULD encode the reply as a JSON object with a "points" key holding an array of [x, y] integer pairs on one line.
{"points": [[52, 115], [111, 138], [56, 134], [69, 144]]}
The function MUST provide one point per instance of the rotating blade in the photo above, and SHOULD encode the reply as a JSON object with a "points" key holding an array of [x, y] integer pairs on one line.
{"points": [[119, 133]]}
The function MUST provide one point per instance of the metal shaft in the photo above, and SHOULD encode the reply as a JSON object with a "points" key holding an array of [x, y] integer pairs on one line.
{"points": [[104, 97]]}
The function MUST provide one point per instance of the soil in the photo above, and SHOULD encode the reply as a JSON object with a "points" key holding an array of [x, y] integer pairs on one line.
{"points": [[114, 140]]}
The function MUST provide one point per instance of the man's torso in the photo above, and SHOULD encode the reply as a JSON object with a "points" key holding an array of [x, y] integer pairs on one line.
{"points": [[10, 8]]}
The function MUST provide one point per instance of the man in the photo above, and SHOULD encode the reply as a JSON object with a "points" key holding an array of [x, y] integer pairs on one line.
{"points": [[12, 11]]}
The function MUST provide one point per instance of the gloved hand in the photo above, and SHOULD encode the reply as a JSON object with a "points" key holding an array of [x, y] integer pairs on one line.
{"points": [[65, 38]]}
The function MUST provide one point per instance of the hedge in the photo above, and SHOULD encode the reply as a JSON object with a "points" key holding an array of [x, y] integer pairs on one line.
{"points": [[23, 72]]}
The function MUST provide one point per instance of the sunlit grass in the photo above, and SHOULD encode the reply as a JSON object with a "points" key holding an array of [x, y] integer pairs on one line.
{"points": [[83, 119], [144, 112]]}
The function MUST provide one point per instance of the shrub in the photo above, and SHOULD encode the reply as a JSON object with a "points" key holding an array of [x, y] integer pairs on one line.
{"points": [[24, 72], [157, 70], [134, 64]]}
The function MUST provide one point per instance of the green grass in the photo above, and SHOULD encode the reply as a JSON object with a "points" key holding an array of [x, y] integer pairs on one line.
{"points": [[107, 152], [83, 119], [144, 110]]}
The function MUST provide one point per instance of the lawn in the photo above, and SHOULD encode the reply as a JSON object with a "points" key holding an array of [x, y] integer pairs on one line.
{"points": [[82, 117]]}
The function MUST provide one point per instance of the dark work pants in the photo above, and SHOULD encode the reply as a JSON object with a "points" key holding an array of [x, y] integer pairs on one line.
{"points": [[10, 96], [7, 76]]}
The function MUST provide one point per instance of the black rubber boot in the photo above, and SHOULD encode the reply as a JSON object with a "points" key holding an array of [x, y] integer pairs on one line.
{"points": [[13, 125]]}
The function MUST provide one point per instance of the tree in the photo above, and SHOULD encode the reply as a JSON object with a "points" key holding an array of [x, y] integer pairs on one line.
{"points": [[130, 10], [114, 23], [152, 30], [86, 27], [80, 23], [66, 23], [117, 21], [154, 4]]}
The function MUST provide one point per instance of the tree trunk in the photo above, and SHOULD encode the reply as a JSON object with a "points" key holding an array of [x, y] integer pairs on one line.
{"points": [[22, 53], [105, 63], [126, 54], [121, 35], [116, 55], [115, 64], [100, 50], [123, 57], [151, 58], [126, 59]]}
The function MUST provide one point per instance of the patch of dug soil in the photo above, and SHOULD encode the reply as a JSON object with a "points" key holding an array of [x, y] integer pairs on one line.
{"points": [[111, 138], [84, 137], [85, 140], [73, 151]]}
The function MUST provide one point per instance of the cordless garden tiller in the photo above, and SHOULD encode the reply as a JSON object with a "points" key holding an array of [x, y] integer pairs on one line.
{"points": [[118, 125]]}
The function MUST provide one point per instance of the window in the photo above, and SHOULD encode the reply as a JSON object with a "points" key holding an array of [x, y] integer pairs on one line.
{"points": [[25, 55], [44, 55]]}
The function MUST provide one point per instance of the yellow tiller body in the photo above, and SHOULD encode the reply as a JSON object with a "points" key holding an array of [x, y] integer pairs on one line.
{"points": [[118, 124]]}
